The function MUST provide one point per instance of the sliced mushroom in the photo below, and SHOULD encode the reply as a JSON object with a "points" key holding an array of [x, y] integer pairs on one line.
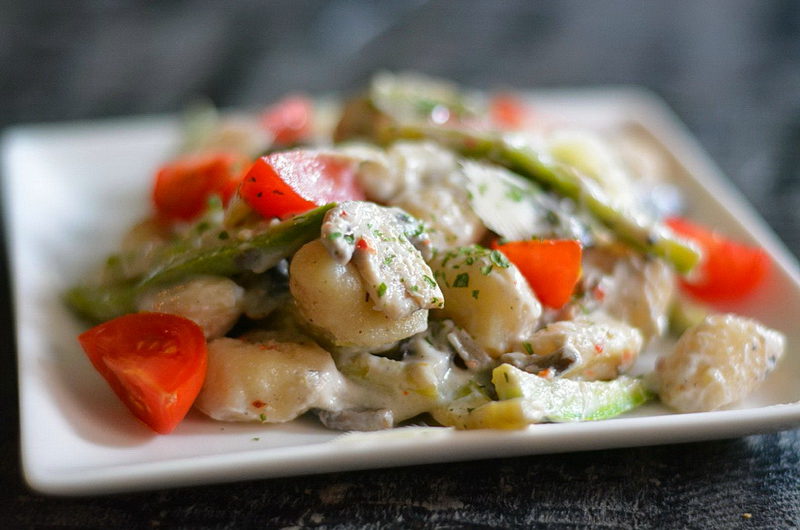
{"points": [[356, 419]]}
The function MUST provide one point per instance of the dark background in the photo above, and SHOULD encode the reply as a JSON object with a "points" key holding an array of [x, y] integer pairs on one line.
{"points": [[730, 69]]}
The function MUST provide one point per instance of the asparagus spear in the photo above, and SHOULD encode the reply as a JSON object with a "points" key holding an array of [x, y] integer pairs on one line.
{"points": [[104, 302], [640, 233]]}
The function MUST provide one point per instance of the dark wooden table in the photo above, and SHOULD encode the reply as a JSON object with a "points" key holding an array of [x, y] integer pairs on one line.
{"points": [[730, 69]]}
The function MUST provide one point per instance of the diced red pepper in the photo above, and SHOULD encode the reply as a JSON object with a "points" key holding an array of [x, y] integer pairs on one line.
{"points": [[551, 266], [293, 182], [728, 271]]}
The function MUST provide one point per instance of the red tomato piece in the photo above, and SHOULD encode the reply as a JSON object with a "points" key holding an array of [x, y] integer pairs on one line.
{"points": [[154, 362], [183, 187], [551, 266], [728, 270], [292, 182], [507, 111], [289, 120]]}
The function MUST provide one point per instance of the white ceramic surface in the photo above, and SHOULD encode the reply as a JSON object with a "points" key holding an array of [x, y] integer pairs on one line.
{"points": [[70, 191]]}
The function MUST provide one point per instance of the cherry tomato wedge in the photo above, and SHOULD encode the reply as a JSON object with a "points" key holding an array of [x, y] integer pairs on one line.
{"points": [[728, 271], [291, 182], [289, 120], [183, 187], [154, 362], [551, 266]]}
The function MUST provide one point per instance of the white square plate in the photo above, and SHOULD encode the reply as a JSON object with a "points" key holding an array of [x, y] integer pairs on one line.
{"points": [[70, 191]]}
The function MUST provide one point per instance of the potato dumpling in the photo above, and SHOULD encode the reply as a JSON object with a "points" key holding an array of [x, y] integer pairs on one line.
{"points": [[635, 290], [332, 301], [589, 348], [717, 362], [214, 303], [487, 296], [140, 246], [446, 213], [269, 380]]}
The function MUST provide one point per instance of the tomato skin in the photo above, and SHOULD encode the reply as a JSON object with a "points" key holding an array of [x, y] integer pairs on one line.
{"points": [[291, 182], [728, 271], [508, 111], [289, 120], [154, 362], [551, 266], [182, 187]]}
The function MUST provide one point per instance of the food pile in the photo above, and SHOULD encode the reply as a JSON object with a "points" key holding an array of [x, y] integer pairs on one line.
{"points": [[420, 253]]}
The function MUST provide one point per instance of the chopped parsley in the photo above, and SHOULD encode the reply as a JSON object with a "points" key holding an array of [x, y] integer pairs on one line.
{"points": [[262, 417], [486, 270], [430, 280], [380, 235], [475, 293], [334, 235], [499, 259], [416, 233], [528, 347], [462, 280], [350, 238], [223, 235], [388, 259], [382, 289], [515, 194]]}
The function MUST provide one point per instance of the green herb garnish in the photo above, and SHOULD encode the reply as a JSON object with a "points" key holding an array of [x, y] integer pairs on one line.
{"points": [[499, 259]]}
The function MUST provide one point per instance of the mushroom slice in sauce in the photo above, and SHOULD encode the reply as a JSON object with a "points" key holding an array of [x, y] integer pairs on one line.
{"points": [[386, 245], [590, 348], [356, 419]]}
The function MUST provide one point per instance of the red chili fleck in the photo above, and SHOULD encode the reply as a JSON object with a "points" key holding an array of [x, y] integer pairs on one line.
{"points": [[362, 244], [598, 348], [544, 373], [599, 293], [405, 392], [258, 404]]}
